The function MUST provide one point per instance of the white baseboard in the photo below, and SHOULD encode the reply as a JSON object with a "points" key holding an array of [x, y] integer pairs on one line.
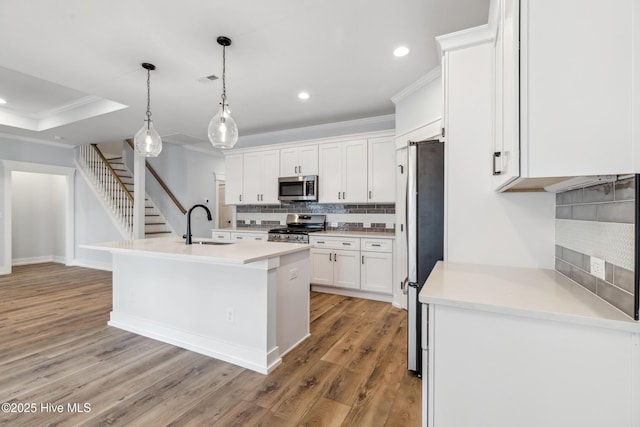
{"points": [[96, 265], [37, 260]]}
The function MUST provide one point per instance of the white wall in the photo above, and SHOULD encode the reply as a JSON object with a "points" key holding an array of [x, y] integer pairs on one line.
{"points": [[38, 217], [484, 226], [419, 104], [86, 205]]}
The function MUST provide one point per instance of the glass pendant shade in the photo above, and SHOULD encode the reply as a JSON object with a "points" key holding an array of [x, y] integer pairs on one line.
{"points": [[147, 141], [223, 130]]}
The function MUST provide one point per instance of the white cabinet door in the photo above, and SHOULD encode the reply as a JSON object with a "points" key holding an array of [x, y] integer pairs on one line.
{"points": [[269, 171], [234, 179], [346, 269], [289, 161], [381, 171], [252, 178], [299, 161], [376, 272], [321, 266], [506, 152], [330, 173], [354, 171], [308, 160]]}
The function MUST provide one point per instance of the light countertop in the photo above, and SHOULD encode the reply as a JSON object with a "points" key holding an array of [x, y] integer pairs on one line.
{"points": [[529, 292], [244, 229], [242, 252]]}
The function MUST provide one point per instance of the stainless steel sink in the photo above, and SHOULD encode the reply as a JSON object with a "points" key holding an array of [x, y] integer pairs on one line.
{"points": [[213, 243]]}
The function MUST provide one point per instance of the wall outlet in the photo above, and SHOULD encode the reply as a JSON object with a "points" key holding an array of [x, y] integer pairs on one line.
{"points": [[597, 267], [366, 224], [333, 224], [230, 314], [293, 273]]}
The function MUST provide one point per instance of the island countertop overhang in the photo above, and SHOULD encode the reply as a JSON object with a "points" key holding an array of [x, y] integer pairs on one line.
{"points": [[237, 253]]}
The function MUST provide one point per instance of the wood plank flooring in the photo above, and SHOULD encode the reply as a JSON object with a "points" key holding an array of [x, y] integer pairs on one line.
{"points": [[56, 348]]}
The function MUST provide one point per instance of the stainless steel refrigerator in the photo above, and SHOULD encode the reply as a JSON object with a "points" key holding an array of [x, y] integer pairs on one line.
{"points": [[425, 232]]}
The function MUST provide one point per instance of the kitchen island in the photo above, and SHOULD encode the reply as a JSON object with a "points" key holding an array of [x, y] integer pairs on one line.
{"points": [[246, 303], [528, 347]]}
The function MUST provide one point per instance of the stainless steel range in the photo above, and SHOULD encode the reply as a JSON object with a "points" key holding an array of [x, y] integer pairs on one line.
{"points": [[298, 228]]}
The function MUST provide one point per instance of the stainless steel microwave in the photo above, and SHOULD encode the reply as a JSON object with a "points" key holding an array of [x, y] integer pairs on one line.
{"points": [[298, 188]]}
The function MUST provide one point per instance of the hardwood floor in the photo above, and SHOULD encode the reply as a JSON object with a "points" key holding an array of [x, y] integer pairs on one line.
{"points": [[56, 349]]}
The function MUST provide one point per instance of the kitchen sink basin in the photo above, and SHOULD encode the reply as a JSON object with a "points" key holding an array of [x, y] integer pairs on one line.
{"points": [[213, 243]]}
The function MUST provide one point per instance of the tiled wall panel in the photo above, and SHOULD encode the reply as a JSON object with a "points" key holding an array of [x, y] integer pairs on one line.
{"points": [[599, 221]]}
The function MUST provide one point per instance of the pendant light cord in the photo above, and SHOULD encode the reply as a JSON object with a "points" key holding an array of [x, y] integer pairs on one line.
{"points": [[148, 99], [224, 76]]}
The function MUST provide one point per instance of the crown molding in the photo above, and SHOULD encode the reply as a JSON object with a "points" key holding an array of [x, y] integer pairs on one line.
{"points": [[466, 38], [415, 86], [36, 141]]}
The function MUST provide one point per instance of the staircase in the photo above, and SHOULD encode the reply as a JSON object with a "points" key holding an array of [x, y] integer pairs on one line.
{"points": [[114, 182], [154, 223]]}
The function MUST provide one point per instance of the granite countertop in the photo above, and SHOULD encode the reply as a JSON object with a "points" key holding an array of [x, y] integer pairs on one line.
{"points": [[242, 252], [530, 292]]}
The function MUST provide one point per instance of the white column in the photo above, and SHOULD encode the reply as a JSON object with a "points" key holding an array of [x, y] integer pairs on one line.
{"points": [[138, 195]]}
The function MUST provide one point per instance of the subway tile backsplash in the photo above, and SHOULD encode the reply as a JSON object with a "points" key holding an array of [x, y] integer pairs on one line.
{"points": [[343, 217], [599, 221]]}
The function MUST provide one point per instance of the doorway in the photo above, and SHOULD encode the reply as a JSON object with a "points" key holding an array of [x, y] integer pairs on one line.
{"points": [[60, 242]]}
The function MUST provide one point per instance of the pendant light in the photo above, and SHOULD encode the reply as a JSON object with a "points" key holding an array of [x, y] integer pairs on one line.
{"points": [[223, 130], [147, 141]]}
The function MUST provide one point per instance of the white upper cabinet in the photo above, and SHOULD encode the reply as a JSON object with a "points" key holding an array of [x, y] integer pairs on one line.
{"points": [[260, 177], [381, 171], [299, 161], [572, 96], [233, 185], [343, 172]]}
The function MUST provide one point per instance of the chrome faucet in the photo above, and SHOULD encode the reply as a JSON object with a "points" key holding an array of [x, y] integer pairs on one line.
{"points": [[188, 235]]}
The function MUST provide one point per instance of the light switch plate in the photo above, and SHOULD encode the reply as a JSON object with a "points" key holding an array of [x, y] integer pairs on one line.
{"points": [[597, 267]]}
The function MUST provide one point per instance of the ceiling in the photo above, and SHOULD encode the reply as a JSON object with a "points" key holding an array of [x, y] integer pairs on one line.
{"points": [[70, 69]]}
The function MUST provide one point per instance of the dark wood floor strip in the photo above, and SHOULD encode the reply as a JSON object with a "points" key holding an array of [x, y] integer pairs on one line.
{"points": [[55, 348]]}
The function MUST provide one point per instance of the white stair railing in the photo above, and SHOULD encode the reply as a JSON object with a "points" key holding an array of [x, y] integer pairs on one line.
{"points": [[113, 191]]}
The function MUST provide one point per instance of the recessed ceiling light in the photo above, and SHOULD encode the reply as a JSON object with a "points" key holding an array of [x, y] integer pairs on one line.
{"points": [[2, 101], [304, 95], [401, 51]]}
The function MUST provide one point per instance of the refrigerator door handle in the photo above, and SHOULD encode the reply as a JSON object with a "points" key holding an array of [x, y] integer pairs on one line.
{"points": [[412, 226], [404, 286]]}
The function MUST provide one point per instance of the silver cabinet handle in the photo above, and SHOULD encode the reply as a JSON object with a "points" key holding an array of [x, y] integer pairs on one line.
{"points": [[299, 169], [295, 169], [363, 259], [329, 256], [377, 245], [335, 257], [257, 197], [240, 197], [238, 237], [346, 243], [496, 156], [319, 242], [370, 194], [262, 197], [338, 195], [220, 237], [344, 197]]}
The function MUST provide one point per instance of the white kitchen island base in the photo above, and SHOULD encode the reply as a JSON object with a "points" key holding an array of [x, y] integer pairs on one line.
{"points": [[248, 314]]}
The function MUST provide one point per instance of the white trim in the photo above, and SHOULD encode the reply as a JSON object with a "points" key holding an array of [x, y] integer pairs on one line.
{"points": [[465, 38], [352, 293], [38, 260], [413, 87], [201, 149], [35, 141], [431, 130], [291, 135], [69, 174]]}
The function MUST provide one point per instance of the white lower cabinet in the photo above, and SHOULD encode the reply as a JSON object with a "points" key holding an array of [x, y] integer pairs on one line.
{"points": [[352, 263], [376, 271]]}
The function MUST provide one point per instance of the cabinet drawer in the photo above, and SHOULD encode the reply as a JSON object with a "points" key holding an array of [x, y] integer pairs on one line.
{"points": [[221, 236], [248, 236], [346, 243], [377, 245]]}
